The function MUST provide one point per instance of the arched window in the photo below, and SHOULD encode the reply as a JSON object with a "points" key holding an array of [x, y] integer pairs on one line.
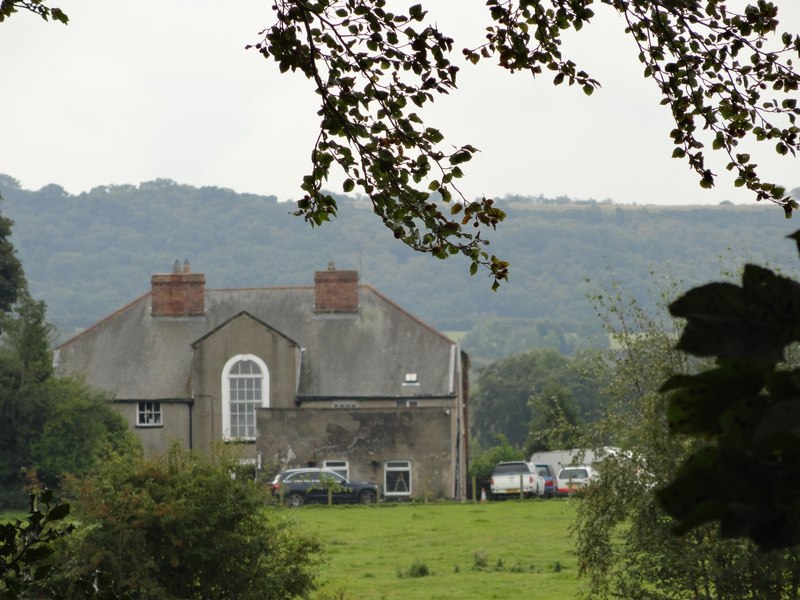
{"points": [[245, 387]]}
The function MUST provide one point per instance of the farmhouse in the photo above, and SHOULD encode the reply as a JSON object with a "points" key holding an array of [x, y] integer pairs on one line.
{"points": [[332, 375]]}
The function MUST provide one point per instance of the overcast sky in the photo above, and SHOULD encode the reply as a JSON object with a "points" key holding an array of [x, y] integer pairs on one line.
{"points": [[136, 90]]}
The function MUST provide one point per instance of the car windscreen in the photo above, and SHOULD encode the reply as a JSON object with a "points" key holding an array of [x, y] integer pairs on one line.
{"points": [[511, 469], [574, 474]]}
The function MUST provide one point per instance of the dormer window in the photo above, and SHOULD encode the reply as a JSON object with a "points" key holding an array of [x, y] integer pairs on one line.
{"points": [[410, 379]]}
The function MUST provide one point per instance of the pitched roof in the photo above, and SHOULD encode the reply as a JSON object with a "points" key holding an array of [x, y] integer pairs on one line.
{"points": [[363, 354]]}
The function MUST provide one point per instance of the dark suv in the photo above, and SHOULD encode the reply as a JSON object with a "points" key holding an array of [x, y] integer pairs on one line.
{"points": [[299, 486]]}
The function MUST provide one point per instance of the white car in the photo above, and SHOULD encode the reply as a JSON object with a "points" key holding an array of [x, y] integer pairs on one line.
{"points": [[573, 478]]}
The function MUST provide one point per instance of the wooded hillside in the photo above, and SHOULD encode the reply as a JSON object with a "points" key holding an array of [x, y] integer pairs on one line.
{"points": [[90, 254]]}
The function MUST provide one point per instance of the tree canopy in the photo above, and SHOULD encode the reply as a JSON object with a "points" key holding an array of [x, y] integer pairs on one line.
{"points": [[532, 399], [625, 543], [12, 277], [725, 73], [49, 426]]}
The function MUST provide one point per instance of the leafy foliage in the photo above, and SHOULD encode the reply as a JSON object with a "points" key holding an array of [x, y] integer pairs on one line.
{"points": [[726, 75], [54, 428], [79, 430], [27, 546], [725, 72], [48, 426], [626, 545], [38, 7], [536, 389], [181, 527], [373, 70], [12, 278], [746, 406], [554, 425]]}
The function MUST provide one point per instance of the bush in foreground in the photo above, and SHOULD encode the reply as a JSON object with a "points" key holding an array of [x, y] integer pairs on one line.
{"points": [[182, 527]]}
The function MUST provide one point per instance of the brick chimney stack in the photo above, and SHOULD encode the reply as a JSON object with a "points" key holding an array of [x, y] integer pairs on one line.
{"points": [[336, 291], [178, 294]]}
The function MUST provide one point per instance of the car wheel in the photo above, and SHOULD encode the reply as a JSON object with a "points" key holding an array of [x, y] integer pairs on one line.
{"points": [[295, 500], [367, 497]]}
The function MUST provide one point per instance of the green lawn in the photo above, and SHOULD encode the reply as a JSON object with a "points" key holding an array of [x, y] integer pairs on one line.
{"points": [[501, 550], [496, 550]]}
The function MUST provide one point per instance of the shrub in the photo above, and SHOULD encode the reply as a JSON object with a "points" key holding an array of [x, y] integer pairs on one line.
{"points": [[480, 560], [182, 527], [417, 569]]}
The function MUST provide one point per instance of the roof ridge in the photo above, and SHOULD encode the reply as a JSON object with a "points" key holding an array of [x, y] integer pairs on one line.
{"points": [[261, 287]]}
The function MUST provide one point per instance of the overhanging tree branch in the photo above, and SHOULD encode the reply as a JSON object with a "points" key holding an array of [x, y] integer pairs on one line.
{"points": [[9, 7], [726, 76]]}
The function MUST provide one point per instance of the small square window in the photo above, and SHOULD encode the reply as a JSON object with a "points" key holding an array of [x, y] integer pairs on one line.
{"points": [[411, 379], [148, 414], [397, 478]]}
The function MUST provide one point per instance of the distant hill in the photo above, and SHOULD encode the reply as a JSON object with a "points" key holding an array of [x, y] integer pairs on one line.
{"points": [[90, 254]]}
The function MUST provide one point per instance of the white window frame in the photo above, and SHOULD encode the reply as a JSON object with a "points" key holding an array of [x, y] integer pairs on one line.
{"points": [[226, 392], [342, 467], [152, 409], [393, 466]]}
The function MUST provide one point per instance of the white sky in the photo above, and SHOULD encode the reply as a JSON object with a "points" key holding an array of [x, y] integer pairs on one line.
{"points": [[137, 90]]}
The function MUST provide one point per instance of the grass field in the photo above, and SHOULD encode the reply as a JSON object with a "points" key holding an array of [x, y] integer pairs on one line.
{"points": [[495, 550]]}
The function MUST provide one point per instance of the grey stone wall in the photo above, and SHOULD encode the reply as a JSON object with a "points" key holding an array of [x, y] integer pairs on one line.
{"points": [[367, 439], [174, 426]]}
